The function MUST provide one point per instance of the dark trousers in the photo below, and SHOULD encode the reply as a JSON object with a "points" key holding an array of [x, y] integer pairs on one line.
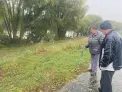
{"points": [[106, 81]]}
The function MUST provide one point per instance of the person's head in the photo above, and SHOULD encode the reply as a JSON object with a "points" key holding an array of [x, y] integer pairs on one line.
{"points": [[93, 30], [106, 27]]}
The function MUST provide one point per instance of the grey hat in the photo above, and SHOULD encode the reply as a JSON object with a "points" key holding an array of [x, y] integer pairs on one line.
{"points": [[95, 26]]}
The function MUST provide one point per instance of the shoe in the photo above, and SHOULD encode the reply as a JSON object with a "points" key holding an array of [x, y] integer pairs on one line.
{"points": [[90, 70], [93, 74], [99, 89]]}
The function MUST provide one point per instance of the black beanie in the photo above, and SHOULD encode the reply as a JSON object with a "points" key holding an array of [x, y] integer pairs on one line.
{"points": [[106, 25]]}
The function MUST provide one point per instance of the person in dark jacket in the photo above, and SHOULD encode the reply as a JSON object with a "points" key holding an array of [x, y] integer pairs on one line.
{"points": [[111, 60], [94, 42]]}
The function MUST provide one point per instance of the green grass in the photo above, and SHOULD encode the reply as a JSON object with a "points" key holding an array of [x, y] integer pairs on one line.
{"points": [[45, 67]]}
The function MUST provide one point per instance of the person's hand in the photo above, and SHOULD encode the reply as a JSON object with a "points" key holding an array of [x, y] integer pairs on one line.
{"points": [[102, 64], [86, 46]]}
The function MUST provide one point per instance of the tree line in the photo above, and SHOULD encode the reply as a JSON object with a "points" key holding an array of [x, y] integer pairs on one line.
{"points": [[34, 20]]}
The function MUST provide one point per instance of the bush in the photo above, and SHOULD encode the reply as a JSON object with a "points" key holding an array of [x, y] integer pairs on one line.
{"points": [[4, 39], [49, 36]]}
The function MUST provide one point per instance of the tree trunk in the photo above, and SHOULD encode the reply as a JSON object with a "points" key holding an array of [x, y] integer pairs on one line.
{"points": [[61, 33]]}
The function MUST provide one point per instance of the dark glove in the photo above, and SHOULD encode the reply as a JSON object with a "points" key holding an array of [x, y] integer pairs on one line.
{"points": [[86, 46], [102, 64]]}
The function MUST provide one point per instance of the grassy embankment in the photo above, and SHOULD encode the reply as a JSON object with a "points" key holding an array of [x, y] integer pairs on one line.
{"points": [[45, 67]]}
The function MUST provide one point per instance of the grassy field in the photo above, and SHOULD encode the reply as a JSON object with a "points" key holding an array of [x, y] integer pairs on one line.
{"points": [[43, 66]]}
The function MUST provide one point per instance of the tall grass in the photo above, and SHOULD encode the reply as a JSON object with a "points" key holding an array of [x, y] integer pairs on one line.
{"points": [[45, 67]]}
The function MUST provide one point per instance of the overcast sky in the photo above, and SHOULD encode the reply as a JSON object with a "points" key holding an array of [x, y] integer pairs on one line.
{"points": [[107, 9]]}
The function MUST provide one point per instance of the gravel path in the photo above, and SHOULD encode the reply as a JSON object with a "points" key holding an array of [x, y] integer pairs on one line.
{"points": [[83, 83]]}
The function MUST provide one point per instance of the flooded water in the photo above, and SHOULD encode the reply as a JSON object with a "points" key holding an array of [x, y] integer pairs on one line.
{"points": [[87, 83]]}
